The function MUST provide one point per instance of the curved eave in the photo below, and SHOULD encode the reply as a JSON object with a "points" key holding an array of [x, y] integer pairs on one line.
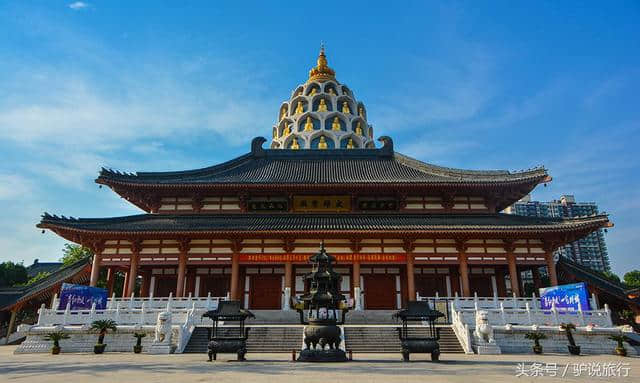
{"points": [[577, 225], [77, 272], [365, 184], [260, 168]]}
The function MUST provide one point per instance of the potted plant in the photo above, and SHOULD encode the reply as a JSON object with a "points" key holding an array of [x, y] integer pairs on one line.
{"points": [[138, 347], [620, 350], [536, 337], [101, 327], [56, 337], [567, 327]]}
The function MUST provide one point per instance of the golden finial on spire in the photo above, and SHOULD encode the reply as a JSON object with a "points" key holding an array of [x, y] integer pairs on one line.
{"points": [[322, 72]]}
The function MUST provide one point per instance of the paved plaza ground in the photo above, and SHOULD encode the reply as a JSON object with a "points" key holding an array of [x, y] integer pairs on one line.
{"points": [[277, 368]]}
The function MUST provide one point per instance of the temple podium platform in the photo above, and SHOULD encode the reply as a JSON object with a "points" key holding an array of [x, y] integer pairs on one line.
{"points": [[290, 317]]}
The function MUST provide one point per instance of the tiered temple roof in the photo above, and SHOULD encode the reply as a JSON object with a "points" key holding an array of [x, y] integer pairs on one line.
{"points": [[163, 224], [328, 167]]}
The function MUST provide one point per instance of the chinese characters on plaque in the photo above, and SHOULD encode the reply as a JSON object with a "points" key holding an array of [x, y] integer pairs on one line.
{"points": [[320, 203]]}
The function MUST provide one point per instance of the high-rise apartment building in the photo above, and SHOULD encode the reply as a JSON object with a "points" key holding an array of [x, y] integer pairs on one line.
{"points": [[590, 251]]}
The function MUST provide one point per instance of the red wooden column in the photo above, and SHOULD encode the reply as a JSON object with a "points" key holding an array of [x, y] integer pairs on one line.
{"points": [[464, 268], [510, 248], [182, 265], [356, 274], [98, 248], [513, 274], [12, 322], [235, 276], [551, 267], [111, 277], [411, 286], [288, 275], [95, 269], [125, 284], [136, 246], [146, 283]]}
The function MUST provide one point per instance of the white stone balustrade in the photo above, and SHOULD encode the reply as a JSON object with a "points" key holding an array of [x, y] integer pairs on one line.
{"points": [[530, 316], [131, 311], [495, 301]]}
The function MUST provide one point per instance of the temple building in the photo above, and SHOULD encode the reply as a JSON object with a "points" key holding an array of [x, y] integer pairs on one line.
{"points": [[397, 226]]}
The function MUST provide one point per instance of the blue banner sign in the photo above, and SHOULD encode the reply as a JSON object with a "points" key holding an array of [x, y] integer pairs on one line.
{"points": [[565, 296], [82, 297]]}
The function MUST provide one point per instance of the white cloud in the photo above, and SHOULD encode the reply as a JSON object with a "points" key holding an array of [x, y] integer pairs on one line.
{"points": [[459, 94], [13, 186], [71, 109], [78, 5]]}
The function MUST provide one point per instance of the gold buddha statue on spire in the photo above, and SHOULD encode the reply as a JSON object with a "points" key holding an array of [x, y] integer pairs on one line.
{"points": [[294, 144], [286, 130], [322, 107], [283, 114], [322, 144], [308, 125], [322, 72], [359, 128], [336, 124], [299, 108], [361, 112], [313, 91], [350, 144], [332, 92], [345, 108]]}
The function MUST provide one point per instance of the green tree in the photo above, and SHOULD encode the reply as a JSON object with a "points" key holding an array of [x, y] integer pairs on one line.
{"points": [[40, 276], [611, 276], [74, 253], [632, 279], [12, 274]]}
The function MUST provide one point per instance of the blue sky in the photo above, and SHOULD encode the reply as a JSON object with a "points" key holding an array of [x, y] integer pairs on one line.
{"points": [[481, 85]]}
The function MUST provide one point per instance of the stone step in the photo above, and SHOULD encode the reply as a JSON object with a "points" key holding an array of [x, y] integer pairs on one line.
{"points": [[261, 339], [357, 339]]}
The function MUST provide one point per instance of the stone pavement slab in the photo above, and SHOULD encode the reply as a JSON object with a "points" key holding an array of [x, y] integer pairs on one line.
{"points": [[277, 368]]}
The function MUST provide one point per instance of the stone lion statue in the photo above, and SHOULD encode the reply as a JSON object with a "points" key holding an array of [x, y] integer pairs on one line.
{"points": [[483, 331], [163, 328]]}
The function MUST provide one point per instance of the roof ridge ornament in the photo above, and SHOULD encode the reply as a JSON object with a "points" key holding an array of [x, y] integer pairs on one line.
{"points": [[256, 147], [321, 72], [387, 146]]}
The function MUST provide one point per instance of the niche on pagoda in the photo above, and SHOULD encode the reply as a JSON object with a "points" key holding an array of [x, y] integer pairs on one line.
{"points": [[312, 89], [322, 141], [335, 122], [295, 142], [283, 111], [362, 112], [331, 88], [299, 105], [345, 105], [350, 142], [308, 123], [359, 126], [322, 103], [284, 128]]}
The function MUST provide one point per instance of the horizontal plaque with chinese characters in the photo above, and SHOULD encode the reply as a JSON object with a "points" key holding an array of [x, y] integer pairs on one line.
{"points": [[304, 258], [321, 203], [382, 204], [259, 205]]}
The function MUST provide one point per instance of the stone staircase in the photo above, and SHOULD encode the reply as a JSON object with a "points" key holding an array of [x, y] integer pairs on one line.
{"points": [[261, 339], [385, 339], [371, 339]]}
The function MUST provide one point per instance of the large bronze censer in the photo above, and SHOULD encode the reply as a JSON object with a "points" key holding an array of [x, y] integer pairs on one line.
{"points": [[319, 312]]}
